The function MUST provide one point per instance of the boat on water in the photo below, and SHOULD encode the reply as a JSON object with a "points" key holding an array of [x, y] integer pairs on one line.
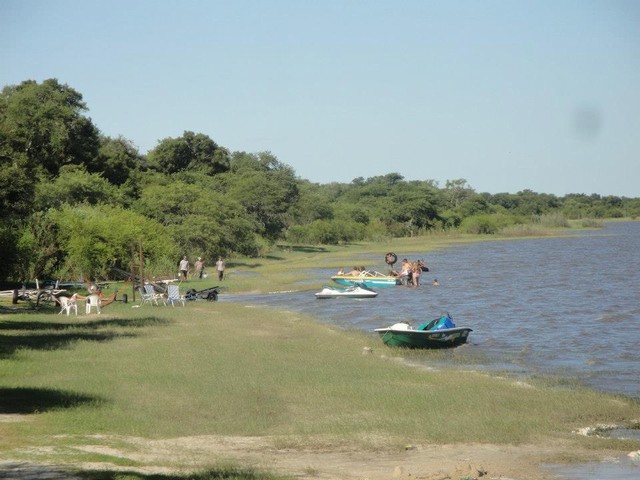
{"points": [[353, 291], [370, 279], [438, 333]]}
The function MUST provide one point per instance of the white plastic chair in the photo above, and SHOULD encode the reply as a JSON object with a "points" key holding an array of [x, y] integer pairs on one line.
{"points": [[173, 295], [93, 301], [68, 303]]}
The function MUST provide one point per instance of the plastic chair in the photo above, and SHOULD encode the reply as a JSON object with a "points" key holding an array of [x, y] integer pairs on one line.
{"points": [[68, 303], [173, 295], [93, 301]]}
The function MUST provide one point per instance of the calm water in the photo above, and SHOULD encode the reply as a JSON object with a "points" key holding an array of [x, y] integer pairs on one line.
{"points": [[568, 307]]}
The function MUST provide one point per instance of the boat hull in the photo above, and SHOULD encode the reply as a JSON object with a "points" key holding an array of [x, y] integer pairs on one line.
{"points": [[443, 338], [370, 282], [349, 292]]}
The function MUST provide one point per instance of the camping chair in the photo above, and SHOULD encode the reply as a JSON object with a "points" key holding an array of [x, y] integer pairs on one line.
{"points": [[173, 295], [67, 303], [93, 301], [154, 296], [144, 296]]}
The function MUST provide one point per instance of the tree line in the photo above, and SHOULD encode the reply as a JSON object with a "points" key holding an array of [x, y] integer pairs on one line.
{"points": [[73, 201]]}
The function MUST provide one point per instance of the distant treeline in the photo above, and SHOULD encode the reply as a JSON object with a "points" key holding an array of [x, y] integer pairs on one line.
{"points": [[77, 203]]}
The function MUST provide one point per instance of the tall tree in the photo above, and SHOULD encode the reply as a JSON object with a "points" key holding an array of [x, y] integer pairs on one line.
{"points": [[266, 188], [117, 159], [43, 126], [189, 152]]}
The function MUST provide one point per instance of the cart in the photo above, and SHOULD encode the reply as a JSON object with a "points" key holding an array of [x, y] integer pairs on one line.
{"points": [[209, 294]]}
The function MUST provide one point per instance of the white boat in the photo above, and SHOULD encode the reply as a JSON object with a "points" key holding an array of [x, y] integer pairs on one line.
{"points": [[355, 291]]}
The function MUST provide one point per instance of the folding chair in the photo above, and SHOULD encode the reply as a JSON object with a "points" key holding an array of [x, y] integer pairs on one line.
{"points": [[173, 295], [144, 296], [154, 296]]}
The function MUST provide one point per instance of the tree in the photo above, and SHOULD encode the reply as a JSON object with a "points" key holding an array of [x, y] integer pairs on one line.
{"points": [[75, 186], [266, 188], [457, 192], [117, 159], [199, 219], [189, 152], [94, 239], [43, 127], [16, 190]]}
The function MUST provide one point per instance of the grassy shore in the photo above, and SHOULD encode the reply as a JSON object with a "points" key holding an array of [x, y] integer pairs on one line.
{"points": [[101, 389]]}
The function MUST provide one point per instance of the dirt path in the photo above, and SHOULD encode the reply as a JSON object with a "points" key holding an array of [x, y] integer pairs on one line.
{"points": [[426, 462]]}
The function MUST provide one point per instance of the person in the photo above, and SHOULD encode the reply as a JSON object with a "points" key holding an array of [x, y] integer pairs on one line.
{"points": [[436, 283], [341, 271], [199, 267], [423, 266], [354, 273], [405, 272], [416, 271], [220, 268], [184, 267]]}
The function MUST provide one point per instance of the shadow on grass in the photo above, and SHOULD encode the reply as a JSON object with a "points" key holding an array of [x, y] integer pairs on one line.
{"points": [[27, 308], [9, 344], [244, 264], [54, 336], [30, 471], [35, 400], [90, 325], [213, 474], [303, 248]]}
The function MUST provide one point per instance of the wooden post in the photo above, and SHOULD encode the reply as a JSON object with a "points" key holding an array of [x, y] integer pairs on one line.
{"points": [[133, 271]]}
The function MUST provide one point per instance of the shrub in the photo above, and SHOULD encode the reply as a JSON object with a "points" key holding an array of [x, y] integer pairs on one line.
{"points": [[486, 224]]}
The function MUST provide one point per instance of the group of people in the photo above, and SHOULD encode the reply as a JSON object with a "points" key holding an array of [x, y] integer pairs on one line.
{"points": [[410, 272], [357, 271], [185, 267]]}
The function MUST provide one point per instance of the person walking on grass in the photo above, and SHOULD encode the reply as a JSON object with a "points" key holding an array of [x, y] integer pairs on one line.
{"points": [[184, 267], [199, 267], [220, 268]]}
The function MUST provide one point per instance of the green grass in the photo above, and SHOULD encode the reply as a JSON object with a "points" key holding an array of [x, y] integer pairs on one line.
{"points": [[225, 369]]}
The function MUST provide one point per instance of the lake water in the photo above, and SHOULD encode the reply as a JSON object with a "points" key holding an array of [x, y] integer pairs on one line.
{"points": [[567, 307]]}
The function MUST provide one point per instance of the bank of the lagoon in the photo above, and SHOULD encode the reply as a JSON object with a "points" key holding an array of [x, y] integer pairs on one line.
{"points": [[566, 306]]}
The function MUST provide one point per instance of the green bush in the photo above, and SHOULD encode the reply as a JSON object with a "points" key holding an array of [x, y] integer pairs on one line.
{"points": [[487, 224]]}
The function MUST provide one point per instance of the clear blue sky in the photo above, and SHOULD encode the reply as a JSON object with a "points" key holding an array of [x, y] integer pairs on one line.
{"points": [[509, 95]]}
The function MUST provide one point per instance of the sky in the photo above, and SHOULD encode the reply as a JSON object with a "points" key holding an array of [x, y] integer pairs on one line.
{"points": [[508, 95]]}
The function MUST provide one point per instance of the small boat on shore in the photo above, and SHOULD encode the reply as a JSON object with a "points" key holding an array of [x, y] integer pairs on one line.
{"points": [[438, 333], [353, 291], [368, 279]]}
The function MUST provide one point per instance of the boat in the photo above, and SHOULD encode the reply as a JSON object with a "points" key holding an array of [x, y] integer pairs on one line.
{"points": [[367, 278], [438, 333], [353, 291]]}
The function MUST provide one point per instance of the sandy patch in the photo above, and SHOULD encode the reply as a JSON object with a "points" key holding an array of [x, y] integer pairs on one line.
{"points": [[425, 462]]}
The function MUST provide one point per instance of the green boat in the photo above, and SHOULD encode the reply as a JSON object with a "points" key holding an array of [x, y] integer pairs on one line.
{"points": [[438, 333]]}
